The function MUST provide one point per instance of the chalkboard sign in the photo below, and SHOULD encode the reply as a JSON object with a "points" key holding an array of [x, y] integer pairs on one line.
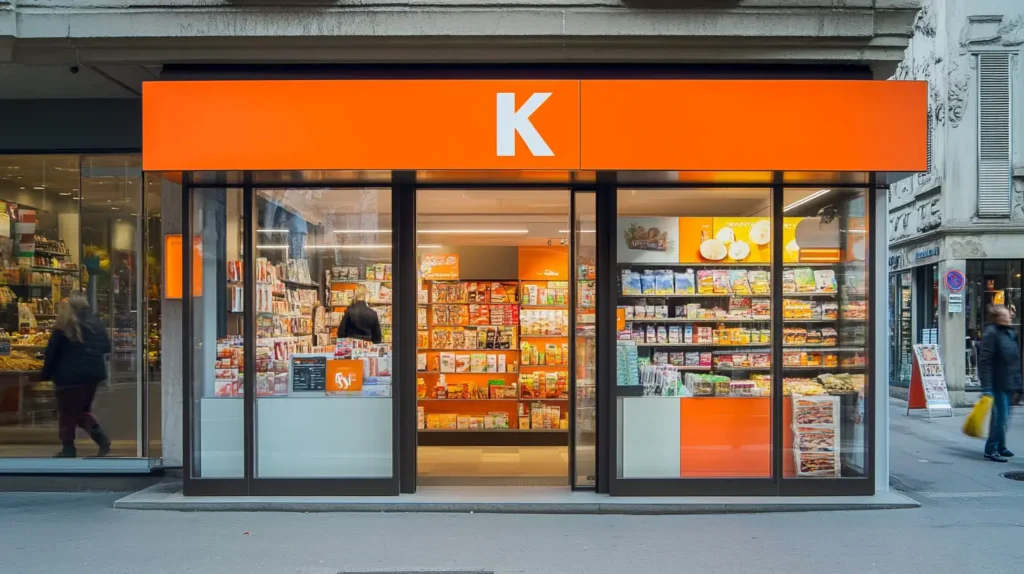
{"points": [[309, 374]]}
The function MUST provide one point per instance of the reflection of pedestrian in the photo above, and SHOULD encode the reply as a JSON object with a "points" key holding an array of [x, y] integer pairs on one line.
{"points": [[1000, 372], [76, 364]]}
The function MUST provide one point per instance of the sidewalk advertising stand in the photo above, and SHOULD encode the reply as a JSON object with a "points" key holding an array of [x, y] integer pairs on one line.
{"points": [[928, 383]]}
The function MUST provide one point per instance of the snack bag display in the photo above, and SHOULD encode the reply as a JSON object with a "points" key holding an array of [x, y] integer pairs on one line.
{"points": [[804, 278], [705, 282], [739, 281], [684, 283]]}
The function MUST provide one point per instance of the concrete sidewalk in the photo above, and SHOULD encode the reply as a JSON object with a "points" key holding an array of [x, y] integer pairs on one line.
{"points": [[932, 458], [525, 500]]}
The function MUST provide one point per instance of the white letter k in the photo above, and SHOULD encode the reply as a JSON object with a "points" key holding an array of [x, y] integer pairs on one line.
{"points": [[511, 120]]}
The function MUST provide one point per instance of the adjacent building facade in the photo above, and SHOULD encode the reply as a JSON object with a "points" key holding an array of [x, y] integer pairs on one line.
{"points": [[966, 213]]}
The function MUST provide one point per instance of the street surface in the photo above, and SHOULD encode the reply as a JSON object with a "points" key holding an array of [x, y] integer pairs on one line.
{"points": [[971, 521]]}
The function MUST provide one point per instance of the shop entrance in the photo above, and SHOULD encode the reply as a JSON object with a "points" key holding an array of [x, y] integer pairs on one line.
{"points": [[505, 338]]}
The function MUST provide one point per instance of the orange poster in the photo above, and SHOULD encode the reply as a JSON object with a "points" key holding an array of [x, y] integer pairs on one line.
{"points": [[173, 270], [739, 240], [440, 267], [344, 376], [725, 239], [544, 263]]}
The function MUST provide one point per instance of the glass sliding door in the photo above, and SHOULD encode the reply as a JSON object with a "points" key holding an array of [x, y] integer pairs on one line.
{"points": [[217, 338], [584, 250]]}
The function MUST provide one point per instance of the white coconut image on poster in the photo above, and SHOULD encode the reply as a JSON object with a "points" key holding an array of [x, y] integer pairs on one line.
{"points": [[648, 240]]}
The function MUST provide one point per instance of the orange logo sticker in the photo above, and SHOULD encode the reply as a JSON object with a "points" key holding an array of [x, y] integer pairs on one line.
{"points": [[344, 376]]}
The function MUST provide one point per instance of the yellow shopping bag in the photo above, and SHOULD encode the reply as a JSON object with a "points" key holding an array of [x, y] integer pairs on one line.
{"points": [[974, 424]]}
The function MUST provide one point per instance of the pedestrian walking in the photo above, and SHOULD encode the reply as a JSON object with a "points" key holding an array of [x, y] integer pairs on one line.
{"points": [[1000, 373], [75, 361]]}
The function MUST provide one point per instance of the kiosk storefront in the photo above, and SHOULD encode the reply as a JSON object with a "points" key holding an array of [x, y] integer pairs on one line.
{"points": [[672, 281]]}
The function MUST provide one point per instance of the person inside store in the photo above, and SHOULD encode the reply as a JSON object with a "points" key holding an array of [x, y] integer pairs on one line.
{"points": [[75, 360], [360, 321], [999, 369]]}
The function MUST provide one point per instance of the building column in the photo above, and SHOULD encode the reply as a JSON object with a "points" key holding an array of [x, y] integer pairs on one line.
{"points": [[172, 370], [952, 331]]}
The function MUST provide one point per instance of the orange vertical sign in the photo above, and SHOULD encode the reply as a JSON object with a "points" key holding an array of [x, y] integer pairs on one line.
{"points": [[174, 271], [344, 376]]}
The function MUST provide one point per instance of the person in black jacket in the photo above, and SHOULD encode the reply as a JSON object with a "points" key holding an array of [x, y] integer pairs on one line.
{"points": [[999, 369], [359, 321], [75, 361]]}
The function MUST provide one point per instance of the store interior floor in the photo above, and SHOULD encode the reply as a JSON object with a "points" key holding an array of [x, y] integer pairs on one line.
{"points": [[493, 465]]}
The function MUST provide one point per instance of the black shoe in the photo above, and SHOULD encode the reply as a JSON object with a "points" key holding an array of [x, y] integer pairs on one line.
{"points": [[101, 439], [68, 451], [1006, 452], [995, 457]]}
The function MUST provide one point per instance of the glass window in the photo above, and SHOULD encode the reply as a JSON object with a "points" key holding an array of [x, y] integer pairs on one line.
{"points": [[323, 274], [40, 261], [79, 218], [989, 282], [901, 331], [585, 238], [824, 339], [218, 221], [694, 333], [111, 242]]}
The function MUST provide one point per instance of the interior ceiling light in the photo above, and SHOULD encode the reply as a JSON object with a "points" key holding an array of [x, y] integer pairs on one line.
{"points": [[804, 200], [65, 193], [40, 187], [476, 231]]}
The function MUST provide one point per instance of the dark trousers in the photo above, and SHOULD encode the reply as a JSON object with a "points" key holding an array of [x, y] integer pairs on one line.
{"points": [[74, 409], [997, 422]]}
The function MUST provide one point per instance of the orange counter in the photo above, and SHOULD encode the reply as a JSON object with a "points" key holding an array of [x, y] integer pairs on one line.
{"points": [[730, 437]]}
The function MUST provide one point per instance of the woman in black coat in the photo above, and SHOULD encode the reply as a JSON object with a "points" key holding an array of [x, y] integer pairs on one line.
{"points": [[76, 363]]}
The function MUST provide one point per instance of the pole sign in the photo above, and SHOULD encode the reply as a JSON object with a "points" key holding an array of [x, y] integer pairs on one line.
{"points": [[955, 280]]}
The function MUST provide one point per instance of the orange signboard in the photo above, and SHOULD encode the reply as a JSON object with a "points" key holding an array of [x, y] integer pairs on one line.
{"points": [[819, 125], [440, 267], [811, 125], [344, 376], [173, 271], [544, 263], [360, 124]]}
